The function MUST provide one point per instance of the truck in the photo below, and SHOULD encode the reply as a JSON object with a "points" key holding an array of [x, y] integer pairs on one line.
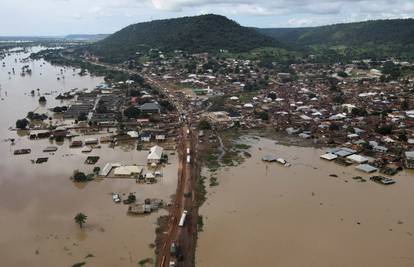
{"points": [[182, 219], [188, 159], [188, 151]]}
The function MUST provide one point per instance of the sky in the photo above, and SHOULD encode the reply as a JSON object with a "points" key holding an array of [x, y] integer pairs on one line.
{"points": [[61, 17]]}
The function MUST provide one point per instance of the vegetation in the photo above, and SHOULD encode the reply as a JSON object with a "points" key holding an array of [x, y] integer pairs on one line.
{"points": [[146, 261], [81, 177], [200, 223], [204, 125], [22, 124], [80, 219], [42, 99], [205, 33], [379, 39], [132, 112]]}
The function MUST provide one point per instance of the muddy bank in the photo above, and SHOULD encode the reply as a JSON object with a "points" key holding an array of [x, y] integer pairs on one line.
{"points": [[265, 214]]}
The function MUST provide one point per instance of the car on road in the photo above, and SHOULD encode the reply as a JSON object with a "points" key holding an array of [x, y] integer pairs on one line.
{"points": [[172, 264]]}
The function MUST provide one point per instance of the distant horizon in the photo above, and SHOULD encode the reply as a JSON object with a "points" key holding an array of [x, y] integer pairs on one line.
{"points": [[100, 33], [60, 18]]}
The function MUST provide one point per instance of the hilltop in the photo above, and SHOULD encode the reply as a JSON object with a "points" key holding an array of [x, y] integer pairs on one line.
{"points": [[374, 39], [205, 33]]}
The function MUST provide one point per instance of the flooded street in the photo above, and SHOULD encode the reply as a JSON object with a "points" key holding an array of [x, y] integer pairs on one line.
{"points": [[265, 214], [38, 201]]}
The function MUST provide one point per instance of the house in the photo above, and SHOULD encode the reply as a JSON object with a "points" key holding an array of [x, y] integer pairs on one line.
{"points": [[146, 137], [160, 137], [133, 134], [107, 169], [127, 170], [91, 141], [328, 156], [366, 168], [234, 115], [152, 107], [357, 159], [409, 159], [155, 154], [343, 152]]}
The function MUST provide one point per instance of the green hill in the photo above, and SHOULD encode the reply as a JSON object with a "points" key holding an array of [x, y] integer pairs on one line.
{"points": [[206, 33], [375, 39]]}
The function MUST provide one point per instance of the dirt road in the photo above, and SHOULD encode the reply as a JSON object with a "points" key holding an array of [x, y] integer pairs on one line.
{"points": [[185, 199]]}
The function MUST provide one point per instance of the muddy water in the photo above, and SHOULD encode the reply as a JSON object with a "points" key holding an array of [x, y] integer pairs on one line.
{"points": [[268, 215], [38, 201]]}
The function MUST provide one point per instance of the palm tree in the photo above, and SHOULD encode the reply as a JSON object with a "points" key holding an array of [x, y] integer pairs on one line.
{"points": [[80, 219]]}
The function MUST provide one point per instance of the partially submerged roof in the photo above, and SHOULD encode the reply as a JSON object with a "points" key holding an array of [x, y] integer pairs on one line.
{"points": [[357, 158], [366, 168], [328, 156], [155, 153]]}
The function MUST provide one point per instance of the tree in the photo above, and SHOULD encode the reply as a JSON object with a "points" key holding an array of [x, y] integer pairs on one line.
{"points": [[79, 177], [342, 74], [80, 219], [22, 124], [96, 170], [384, 129], [42, 99], [405, 105], [132, 112], [82, 117], [204, 125], [101, 109], [264, 116]]}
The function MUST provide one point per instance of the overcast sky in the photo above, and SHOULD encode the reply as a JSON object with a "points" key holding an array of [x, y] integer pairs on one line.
{"points": [[60, 17]]}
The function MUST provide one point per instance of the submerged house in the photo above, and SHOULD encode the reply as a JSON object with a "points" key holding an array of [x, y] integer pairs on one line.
{"points": [[150, 108], [155, 154]]}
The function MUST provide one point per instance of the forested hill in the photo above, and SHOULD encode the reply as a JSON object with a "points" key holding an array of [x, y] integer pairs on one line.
{"points": [[205, 33], [379, 38]]}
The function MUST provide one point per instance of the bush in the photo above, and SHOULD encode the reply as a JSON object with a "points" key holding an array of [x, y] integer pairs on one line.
{"points": [[264, 116], [22, 124], [132, 112], [79, 177], [42, 99], [82, 117], [204, 125]]}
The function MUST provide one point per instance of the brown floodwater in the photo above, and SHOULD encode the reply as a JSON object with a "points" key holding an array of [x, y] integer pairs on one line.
{"points": [[264, 214], [38, 201]]}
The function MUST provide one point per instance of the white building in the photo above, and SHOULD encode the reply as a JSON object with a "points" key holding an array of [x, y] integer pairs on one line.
{"points": [[155, 154]]}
